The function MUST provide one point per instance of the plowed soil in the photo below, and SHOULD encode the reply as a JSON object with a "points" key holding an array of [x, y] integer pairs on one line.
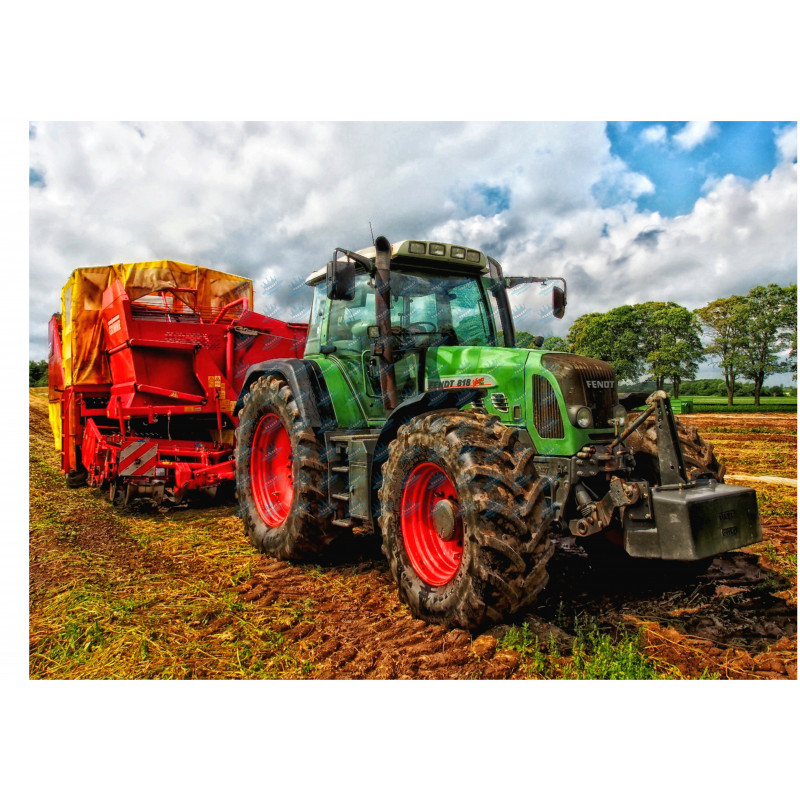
{"points": [[137, 593]]}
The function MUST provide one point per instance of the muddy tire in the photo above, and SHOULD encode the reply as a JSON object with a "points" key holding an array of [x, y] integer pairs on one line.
{"points": [[698, 455], [464, 519], [281, 477], [76, 478]]}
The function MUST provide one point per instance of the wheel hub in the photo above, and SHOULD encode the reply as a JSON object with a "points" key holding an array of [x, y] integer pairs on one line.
{"points": [[443, 517]]}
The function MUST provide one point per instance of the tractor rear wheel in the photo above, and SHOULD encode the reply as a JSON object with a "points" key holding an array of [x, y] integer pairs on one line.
{"points": [[280, 475], [464, 519]]}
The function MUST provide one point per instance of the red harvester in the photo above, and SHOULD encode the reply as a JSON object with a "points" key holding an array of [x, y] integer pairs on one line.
{"points": [[146, 363]]}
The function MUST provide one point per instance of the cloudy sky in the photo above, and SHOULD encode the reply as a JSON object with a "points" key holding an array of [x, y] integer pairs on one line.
{"points": [[626, 212]]}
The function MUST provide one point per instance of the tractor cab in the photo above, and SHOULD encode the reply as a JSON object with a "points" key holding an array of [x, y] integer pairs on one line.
{"points": [[437, 295]]}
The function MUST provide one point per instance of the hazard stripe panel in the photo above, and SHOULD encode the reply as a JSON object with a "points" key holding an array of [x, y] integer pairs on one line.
{"points": [[138, 458]]}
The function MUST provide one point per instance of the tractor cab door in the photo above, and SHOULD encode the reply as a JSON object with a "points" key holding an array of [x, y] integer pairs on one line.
{"points": [[428, 310], [345, 340]]}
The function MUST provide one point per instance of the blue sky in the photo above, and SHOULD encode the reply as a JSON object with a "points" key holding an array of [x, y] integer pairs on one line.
{"points": [[679, 167]]}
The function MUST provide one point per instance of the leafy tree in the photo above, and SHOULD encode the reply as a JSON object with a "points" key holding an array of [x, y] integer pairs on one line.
{"points": [[525, 340], [705, 387], [556, 343], [670, 340], [767, 326], [37, 372], [613, 337], [789, 326], [724, 322]]}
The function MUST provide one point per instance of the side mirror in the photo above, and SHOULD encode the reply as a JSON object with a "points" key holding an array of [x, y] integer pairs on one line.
{"points": [[559, 302], [341, 280]]}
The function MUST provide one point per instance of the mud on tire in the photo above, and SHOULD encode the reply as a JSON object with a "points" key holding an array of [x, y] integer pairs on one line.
{"points": [[281, 487], [502, 518], [698, 455]]}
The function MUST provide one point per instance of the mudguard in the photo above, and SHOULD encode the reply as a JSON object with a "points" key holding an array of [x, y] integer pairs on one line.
{"points": [[308, 386]]}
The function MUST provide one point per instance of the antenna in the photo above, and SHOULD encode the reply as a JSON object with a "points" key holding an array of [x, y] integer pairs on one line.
{"points": [[371, 233]]}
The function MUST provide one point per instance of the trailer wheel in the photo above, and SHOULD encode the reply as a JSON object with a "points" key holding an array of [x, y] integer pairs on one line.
{"points": [[464, 519], [76, 478], [698, 455], [280, 474]]}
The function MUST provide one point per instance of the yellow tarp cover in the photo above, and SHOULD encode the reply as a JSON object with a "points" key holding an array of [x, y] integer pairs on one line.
{"points": [[84, 359], [54, 412]]}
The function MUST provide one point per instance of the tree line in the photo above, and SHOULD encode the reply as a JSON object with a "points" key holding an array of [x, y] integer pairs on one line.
{"points": [[715, 387], [662, 342], [37, 373]]}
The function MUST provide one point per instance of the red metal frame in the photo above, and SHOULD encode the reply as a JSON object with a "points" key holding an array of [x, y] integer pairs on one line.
{"points": [[174, 365]]}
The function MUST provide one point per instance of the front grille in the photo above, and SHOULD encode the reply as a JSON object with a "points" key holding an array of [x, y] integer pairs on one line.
{"points": [[600, 399], [500, 402], [581, 380], [546, 413]]}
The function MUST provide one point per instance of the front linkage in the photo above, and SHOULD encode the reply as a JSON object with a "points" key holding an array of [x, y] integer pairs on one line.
{"points": [[676, 519]]}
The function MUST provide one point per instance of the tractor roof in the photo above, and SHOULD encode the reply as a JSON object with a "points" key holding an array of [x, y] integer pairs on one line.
{"points": [[437, 256]]}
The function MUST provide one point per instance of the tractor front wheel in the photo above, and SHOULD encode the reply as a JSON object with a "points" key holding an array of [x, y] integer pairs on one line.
{"points": [[464, 519], [280, 474]]}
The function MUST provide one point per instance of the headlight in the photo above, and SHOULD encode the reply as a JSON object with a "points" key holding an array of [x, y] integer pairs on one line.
{"points": [[618, 414], [583, 416]]}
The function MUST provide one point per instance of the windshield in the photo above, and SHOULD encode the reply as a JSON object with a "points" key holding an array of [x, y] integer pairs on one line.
{"points": [[427, 311]]}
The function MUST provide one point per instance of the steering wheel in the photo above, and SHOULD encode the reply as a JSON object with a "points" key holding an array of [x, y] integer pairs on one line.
{"points": [[420, 328]]}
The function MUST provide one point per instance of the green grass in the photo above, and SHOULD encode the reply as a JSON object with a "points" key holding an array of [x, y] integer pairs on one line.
{"points": [[743, 405], [595, 655], [777, 501], [783, 563], [738, 430]]}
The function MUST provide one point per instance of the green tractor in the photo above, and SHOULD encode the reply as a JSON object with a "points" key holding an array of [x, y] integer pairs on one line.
{"points": [[414, 415]]}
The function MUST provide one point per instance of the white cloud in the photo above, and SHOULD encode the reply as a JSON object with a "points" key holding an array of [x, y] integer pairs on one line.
{"points": [[738, 236], [694, 133], [259, 199], [786, 142], [471, 229], [655, 134], [248, 197]]}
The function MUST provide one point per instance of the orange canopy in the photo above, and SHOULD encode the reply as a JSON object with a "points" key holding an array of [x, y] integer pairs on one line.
{"points": [[84, 358]]}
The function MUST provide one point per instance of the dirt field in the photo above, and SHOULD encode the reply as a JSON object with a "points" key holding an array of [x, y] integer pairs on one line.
{"points": [[181, 594]]}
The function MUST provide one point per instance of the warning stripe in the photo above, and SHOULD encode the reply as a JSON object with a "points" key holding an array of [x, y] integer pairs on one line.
{"points": [[145, 452], [148, 465]]}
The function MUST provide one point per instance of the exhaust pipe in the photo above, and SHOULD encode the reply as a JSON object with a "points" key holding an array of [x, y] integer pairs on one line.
{"points": [[383, 315]]}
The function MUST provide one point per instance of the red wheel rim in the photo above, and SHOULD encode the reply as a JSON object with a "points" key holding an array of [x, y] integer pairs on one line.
{"points": [[271, 470], [435, 560]]}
